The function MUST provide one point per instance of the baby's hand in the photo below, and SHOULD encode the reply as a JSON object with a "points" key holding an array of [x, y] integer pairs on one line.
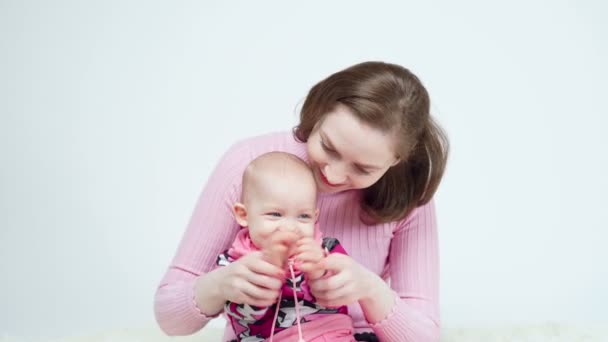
{"points": [[308, 255], [278, 247]]}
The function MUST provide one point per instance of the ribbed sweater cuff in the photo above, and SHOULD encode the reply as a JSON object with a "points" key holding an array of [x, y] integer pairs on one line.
{"points": [[176, 310], [405, 324]]}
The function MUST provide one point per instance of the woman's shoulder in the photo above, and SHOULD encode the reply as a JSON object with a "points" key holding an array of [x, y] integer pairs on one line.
{"points": [[421, 216], [266, 138], [229, 169]]}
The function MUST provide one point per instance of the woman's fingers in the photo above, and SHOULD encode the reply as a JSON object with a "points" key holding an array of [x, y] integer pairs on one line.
{"points": [[344, 286], [257, 264], [337, 262], [336, 302], [258, 294], [337, 281], [308, 267], [342, 294], [265, 281], [253, 280]]}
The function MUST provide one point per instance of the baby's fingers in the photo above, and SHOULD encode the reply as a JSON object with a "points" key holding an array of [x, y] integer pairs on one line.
{"points": [[306, 241], [310, 256], [312, 267], [309, 267], [308, 248]]}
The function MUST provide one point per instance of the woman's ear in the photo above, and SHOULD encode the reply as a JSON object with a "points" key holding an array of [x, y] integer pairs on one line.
{"points": [[240, 214], [397, 161]]}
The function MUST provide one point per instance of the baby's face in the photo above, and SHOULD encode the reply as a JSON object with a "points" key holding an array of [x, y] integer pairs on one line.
{"points": [[281, 205]]}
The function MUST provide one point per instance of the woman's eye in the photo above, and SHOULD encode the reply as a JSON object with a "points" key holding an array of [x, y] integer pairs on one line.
{"points": [[326, 148], [362, 171]]}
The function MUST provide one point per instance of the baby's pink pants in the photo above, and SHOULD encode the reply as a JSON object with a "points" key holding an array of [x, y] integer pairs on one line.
{"points": [[334, 328]]}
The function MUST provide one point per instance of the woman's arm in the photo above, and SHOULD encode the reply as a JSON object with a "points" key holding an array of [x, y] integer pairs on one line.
{"points": [[408, 310], [210, 232], [414, 272]]}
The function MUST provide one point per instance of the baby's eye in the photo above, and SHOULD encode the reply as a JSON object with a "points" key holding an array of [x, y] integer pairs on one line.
{"points": [[305, 216], [274, 214]]}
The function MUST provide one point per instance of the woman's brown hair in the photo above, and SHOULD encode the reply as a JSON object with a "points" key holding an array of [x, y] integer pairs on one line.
{"points": [[391, 98]]}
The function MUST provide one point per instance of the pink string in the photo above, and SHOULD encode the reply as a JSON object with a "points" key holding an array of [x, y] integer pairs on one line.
{"points": [[295, 298], [297, 304], [276, 314]]}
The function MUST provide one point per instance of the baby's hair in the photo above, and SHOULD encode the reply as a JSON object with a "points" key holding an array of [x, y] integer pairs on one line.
{"points": [[276, 164]]}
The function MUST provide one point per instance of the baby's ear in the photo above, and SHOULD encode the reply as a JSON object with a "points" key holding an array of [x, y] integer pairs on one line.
{"points": [[240, 214], [316, 215]]}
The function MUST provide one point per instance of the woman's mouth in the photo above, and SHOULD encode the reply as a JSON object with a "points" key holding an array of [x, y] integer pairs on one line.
{"points": [[325, 181]]}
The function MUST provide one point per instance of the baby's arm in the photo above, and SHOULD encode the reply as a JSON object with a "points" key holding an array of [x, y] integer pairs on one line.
{"points": [[308, 255]]}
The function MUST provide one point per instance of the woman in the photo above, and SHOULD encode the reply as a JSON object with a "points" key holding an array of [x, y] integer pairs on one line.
{"points": [[378, 158]]}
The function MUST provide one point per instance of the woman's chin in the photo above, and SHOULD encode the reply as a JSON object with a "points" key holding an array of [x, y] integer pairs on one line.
{"points": [[324, 188]]}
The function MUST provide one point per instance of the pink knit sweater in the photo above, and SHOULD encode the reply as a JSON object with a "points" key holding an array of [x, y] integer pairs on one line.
{"points": [[405, 253]]}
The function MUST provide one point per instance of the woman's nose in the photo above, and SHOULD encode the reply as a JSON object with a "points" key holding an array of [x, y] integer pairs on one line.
{"points": [[334, 173]]}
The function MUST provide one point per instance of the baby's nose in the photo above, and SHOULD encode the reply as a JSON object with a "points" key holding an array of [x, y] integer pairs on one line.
{"points": [[288, 227]]}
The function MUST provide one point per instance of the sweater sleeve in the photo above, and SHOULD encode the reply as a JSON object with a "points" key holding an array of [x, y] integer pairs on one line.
{"points": [[414, 276], [210, 232]]}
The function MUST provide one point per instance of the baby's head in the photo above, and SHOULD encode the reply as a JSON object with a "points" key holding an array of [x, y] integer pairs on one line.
{"points": [[279, 193]]}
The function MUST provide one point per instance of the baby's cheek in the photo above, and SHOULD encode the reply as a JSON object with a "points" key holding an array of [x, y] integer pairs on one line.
{"points": [[308, 231]]}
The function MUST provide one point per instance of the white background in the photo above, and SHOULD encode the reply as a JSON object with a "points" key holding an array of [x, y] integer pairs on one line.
{"points": [[112, 114]]}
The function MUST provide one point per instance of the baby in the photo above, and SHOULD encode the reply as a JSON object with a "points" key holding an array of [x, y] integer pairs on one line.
{"points": [[279, 194]]}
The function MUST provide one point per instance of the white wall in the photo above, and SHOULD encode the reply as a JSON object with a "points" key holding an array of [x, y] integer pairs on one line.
{"points": [[112, 114]]}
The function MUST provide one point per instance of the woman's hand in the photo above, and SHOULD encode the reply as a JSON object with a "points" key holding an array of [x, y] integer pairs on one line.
{"points": [[347, 283], [308, 255], [251, 279]]}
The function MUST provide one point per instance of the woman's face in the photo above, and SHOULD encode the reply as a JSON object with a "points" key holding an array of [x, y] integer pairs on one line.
{"points": [[346, 153]]}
